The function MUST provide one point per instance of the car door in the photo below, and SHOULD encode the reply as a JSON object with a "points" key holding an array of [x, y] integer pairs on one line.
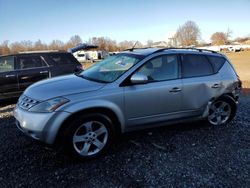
{"points": [[8, 76], [200, 84], [62, 63], [160, 98], [31, 68]]}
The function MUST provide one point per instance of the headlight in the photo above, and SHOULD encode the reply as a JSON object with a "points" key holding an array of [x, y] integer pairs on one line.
{"points": [[49, 105]]}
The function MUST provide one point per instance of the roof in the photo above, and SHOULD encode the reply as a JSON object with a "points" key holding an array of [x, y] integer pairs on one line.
{"points": [[142, 51], [35, 52], [149, 51], [40, 51]]}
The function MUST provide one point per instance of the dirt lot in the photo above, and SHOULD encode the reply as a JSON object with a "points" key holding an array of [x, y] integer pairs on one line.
{"points": [[183, 155], [241, 61]]}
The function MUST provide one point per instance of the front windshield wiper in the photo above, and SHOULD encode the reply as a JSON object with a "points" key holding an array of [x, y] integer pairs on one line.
{"points": [[92, 79]]}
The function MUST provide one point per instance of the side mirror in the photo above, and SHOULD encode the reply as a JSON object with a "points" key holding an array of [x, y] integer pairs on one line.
{"points": [[139, 78]]}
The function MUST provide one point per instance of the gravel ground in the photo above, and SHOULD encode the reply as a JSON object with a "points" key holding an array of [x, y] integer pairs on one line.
{"points": [[183, 155]]}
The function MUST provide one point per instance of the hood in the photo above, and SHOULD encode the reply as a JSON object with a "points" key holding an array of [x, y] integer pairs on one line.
{"points": [[61, 86]]}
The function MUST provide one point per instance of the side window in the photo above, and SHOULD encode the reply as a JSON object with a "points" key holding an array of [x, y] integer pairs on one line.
{"points": [[195, 65], [27, 62], [217, 62], [61, 59], [161, 68], [6, 64]]}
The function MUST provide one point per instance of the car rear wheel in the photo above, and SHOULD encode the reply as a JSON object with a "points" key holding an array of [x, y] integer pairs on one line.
{"points": [[89, 136], [221, 111]]}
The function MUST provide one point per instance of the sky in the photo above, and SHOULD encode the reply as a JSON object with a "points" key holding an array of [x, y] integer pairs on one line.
{"points": [[140, 20]]}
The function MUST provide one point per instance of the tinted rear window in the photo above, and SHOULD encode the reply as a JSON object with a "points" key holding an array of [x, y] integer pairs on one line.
{"points": [[217, 62], [6, 64], [62, 59], [195, 65], [27, 62]]}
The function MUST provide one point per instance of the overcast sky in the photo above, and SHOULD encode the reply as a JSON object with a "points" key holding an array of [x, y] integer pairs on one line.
{"points": [[120, 20]]}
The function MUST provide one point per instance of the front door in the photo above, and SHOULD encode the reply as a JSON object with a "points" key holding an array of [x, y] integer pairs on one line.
{"points": [[160, 98]]}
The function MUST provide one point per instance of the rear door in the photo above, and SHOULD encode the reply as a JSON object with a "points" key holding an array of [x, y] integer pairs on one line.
{"points": [[8, 76], [62, 63], [31, 68], [200, 83]]}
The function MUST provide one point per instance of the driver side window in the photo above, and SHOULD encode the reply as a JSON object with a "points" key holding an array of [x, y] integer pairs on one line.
{"points": [[161, 68]]}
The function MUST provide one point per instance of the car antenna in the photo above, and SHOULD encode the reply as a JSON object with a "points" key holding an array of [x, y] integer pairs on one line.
{"points": [[133, 46]]}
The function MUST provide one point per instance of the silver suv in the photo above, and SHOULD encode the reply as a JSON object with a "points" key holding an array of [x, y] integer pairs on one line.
{"points": [[135, 89]]}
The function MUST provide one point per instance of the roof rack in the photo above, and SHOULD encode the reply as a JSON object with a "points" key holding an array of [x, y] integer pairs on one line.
{"points": [[197, 49], [40, 51]]}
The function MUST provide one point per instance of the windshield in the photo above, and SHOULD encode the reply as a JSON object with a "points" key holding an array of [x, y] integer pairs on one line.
{"points": [[111, 68]]}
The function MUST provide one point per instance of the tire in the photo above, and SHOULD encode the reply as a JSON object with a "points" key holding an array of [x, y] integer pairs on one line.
{"points": [[88, 137], [222, 111]]}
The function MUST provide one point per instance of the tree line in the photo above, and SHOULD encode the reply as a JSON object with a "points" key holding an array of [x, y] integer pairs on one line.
{"points": [[187, 35], [104, 43]]}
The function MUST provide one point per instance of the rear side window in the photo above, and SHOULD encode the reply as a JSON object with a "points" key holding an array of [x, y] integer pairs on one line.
{"points": [[62, 59], [195, 65], [217, 62], [28, 62], [6, 64]]}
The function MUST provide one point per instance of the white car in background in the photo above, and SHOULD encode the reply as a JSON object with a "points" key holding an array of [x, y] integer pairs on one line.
{"points": [[234, 48]]}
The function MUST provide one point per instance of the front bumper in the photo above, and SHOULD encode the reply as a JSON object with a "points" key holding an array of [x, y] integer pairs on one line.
{"points": [[40, 126]]}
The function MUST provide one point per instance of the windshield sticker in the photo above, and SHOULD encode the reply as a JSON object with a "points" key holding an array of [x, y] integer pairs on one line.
{"points": [[121, 63]]}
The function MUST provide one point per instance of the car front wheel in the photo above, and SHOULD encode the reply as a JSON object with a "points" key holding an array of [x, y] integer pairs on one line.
{"points": [[89, 136]]}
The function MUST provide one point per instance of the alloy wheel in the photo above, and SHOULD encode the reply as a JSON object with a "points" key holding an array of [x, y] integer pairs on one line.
{"points": [[90, 138], [219, 113]]}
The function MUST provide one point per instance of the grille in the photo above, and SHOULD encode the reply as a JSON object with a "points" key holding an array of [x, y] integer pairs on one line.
{"points": [[26, 102]]}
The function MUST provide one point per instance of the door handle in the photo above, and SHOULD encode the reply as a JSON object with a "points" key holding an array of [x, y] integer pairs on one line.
{"points": [[175, 89], [24, 78], [216, 86], [10, 75], [42, 72]]}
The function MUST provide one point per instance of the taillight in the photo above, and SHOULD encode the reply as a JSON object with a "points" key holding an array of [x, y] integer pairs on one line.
{"points": [[78, 69], [239, 83]]}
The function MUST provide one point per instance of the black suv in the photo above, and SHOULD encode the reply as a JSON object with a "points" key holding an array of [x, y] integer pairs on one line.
{"points": [[18, 71]]}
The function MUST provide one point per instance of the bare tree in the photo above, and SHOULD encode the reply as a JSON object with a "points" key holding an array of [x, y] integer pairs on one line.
{"points": [[228, 34], [126, 45], [4, 48], [242, 39], [188, 34], [104, 43], [56, 45], [219, 38], [139, 45], [38, 45], [21, 46], [73, 41]]}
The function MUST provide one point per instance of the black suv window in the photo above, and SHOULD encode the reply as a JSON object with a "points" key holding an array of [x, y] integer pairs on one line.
{"points": [[62, 58], [6, 64], [27, 62], [217, 62], [195, 65], [161, 68]]}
